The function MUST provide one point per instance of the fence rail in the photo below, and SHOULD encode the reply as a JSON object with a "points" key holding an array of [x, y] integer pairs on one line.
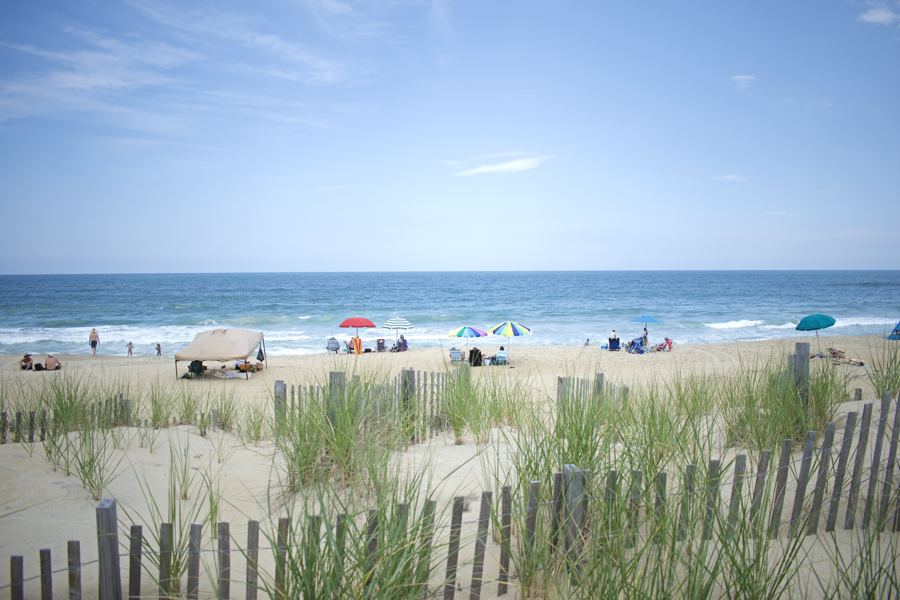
{"points": [[580, 505]]}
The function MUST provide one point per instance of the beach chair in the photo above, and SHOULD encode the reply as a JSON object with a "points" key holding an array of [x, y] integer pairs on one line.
{"points": [[456, 356], [333, 345], [502, 357], [475, 357], [380, 346], [636, 346], [614, 344]]}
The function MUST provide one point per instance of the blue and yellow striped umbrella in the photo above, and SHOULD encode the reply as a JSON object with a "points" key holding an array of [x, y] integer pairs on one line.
{"points": [[509, 329]]}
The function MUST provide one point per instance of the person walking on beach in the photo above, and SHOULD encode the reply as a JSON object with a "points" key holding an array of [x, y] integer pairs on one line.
{"points": [[130, 347], [95, 340], [158, 350]]}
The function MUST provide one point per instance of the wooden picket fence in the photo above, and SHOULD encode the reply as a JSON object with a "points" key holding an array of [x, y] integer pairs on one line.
{"points": [[567, 512]]}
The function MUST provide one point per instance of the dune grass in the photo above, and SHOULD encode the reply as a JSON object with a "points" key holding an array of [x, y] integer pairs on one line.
{"points": [[338, 453]]}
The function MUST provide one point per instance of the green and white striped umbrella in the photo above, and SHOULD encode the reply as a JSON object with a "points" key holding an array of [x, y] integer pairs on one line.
{"points": [[398, 324]]}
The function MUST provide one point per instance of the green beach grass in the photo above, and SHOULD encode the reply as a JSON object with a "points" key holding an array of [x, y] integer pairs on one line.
{"points": [[339, 464]]}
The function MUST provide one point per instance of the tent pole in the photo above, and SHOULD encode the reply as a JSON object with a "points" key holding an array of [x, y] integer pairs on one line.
{"points": [[265, 354], [176, 369]]}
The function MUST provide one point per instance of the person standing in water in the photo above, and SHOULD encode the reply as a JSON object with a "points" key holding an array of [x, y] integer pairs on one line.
{"points": [[95, 340], [130, 347]]}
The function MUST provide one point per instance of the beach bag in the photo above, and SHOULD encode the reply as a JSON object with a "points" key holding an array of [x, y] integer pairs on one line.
{"points": [[260, 356], [38, 367]]}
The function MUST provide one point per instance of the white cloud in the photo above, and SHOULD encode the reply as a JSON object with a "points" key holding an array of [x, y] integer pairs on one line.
{"points": [[728, 178], [512, 166], [299, 62], [880, 15], [510, 154], [742, 82], [440, 16]]}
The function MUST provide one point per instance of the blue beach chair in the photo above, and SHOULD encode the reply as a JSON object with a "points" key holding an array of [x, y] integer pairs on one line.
{"points": [[636, 346], [614, 344]]}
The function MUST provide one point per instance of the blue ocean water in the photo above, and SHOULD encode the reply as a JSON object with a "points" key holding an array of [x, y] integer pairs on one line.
{"points": [[299, 311]]}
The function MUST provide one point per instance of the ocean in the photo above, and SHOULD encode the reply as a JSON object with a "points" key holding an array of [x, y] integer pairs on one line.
{"points": [[298, 312]]}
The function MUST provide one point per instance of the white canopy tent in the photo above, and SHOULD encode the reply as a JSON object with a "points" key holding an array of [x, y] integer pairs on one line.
{"points": [[222, 345]]}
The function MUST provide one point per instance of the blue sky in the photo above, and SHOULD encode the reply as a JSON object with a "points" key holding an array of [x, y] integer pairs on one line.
{"points": [[354, 135]]}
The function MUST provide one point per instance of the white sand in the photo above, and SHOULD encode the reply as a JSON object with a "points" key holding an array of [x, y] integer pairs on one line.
{"points": [[42, 508]]}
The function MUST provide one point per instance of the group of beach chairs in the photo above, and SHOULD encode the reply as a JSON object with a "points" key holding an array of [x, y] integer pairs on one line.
{"points": [[477, 359], [637, 346], [380, 346]]}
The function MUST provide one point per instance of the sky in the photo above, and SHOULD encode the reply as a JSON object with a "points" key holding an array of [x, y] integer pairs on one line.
{"points": [[403, 135]]}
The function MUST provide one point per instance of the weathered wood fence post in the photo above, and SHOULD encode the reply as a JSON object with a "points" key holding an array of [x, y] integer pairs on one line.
{"points": [[280, 400], [108, 550]]}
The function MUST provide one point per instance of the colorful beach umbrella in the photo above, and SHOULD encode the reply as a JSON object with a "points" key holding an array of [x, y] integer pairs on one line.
{"points": [[509, 329], [357, 322], [398, 324], [467, 332]]}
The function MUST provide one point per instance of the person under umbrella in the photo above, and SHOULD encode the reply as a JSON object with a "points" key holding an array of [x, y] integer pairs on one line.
{"points": [[467, 332], [510, 329], [357, 322]]}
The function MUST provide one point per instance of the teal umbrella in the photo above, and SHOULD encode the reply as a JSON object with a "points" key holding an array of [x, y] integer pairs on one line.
{"points": [[815, 323]]}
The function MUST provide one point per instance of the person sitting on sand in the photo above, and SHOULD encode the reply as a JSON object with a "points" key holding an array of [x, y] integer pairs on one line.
{"points": [[26, 364], [667, 345], [587, 342], [51, 364], [493, 357]]}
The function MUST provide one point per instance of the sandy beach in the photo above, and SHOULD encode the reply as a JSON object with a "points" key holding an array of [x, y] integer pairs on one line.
{"points": [[40, 507]]}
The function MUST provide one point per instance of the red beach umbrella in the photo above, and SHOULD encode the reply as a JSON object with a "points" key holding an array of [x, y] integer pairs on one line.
{"points": [[357, 322]]}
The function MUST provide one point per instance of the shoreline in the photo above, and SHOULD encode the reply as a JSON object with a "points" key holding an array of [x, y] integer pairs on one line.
{"points": [[538, 366]]}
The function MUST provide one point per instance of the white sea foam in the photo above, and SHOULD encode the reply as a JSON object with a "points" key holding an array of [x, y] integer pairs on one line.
{"points": [[782, 326], [864, 322], [734, 324]]}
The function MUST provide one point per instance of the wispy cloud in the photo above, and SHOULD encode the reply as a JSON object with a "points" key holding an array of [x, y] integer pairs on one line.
{"points": [[297, 62], [507, 154], [440, 16], [728, 178], [512, 166], [742, 82], [93, 78], [880, 15]]}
